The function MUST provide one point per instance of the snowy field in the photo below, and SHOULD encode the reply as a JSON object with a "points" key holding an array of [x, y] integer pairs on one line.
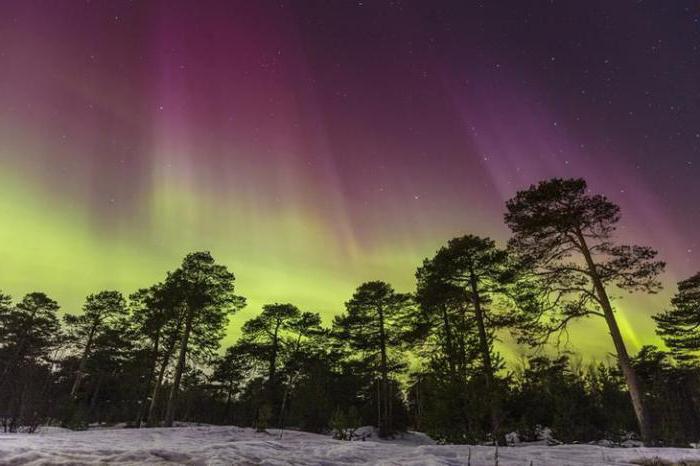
{"points": [[214, 445]]}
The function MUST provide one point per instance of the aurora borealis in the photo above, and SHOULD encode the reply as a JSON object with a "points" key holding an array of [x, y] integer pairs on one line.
{"points": [[313, 145]]}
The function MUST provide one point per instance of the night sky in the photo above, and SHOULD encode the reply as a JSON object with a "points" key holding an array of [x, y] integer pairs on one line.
{"points": [[313, 145]]}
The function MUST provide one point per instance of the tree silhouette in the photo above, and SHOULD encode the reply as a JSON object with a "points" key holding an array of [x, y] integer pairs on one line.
{"points": [[275, 337], [101, 312], [300, 344], [149, 316], [30, 330], [112, 349], [231, 371], [672, 394], [372, 325], [564, 236], [160, 356], [206, 292], [158, 315], [449, 343], [265, 334], [680, 326], [475, 270]]}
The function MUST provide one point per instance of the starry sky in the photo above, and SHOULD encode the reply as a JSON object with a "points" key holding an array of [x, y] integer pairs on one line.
{"points": [[313, 145]]}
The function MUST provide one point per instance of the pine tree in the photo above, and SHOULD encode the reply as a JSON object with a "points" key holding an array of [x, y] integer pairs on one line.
{"points": [[442, 325], [157, 318], [475, 270], [300, 345], [30, 330], [680, 326], [101, 313], [264, 334], [205, 290], [231, 371], [107, 366], [275, 337], [564, 236], [373, 325]]}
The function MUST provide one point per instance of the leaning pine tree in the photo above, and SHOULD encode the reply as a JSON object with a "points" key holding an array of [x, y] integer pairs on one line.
{"points": [[563, 234]]}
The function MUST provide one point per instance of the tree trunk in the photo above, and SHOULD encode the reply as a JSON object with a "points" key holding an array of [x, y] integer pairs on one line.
{"points": [[622, 355], [448, 342], [94, 397], [83, 363], [164, 365], [379, 403], [419, 405], [291, 378], [272, 369], [229, 396], [462, 346], [170, 410], [149, 380], [486, 360], [150, 416], [384, 427]]}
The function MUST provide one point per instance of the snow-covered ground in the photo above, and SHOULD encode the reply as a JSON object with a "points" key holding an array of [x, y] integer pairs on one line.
{"points": [[216, 445]]}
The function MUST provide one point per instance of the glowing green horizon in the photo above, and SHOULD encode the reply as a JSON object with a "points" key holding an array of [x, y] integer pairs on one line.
{"points": [[311, 150], [66, 258]]}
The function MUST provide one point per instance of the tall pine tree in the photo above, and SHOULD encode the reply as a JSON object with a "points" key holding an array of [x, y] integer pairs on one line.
{"points": [[205, 290], [476, 270], [564, 235], [373, 325]]}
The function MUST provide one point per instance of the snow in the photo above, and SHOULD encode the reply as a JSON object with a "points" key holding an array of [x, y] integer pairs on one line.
{"points": [[218, 445], [366, 433]]}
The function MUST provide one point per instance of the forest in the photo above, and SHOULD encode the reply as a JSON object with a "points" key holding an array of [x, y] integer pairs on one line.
{"points": [[424, 360]]}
